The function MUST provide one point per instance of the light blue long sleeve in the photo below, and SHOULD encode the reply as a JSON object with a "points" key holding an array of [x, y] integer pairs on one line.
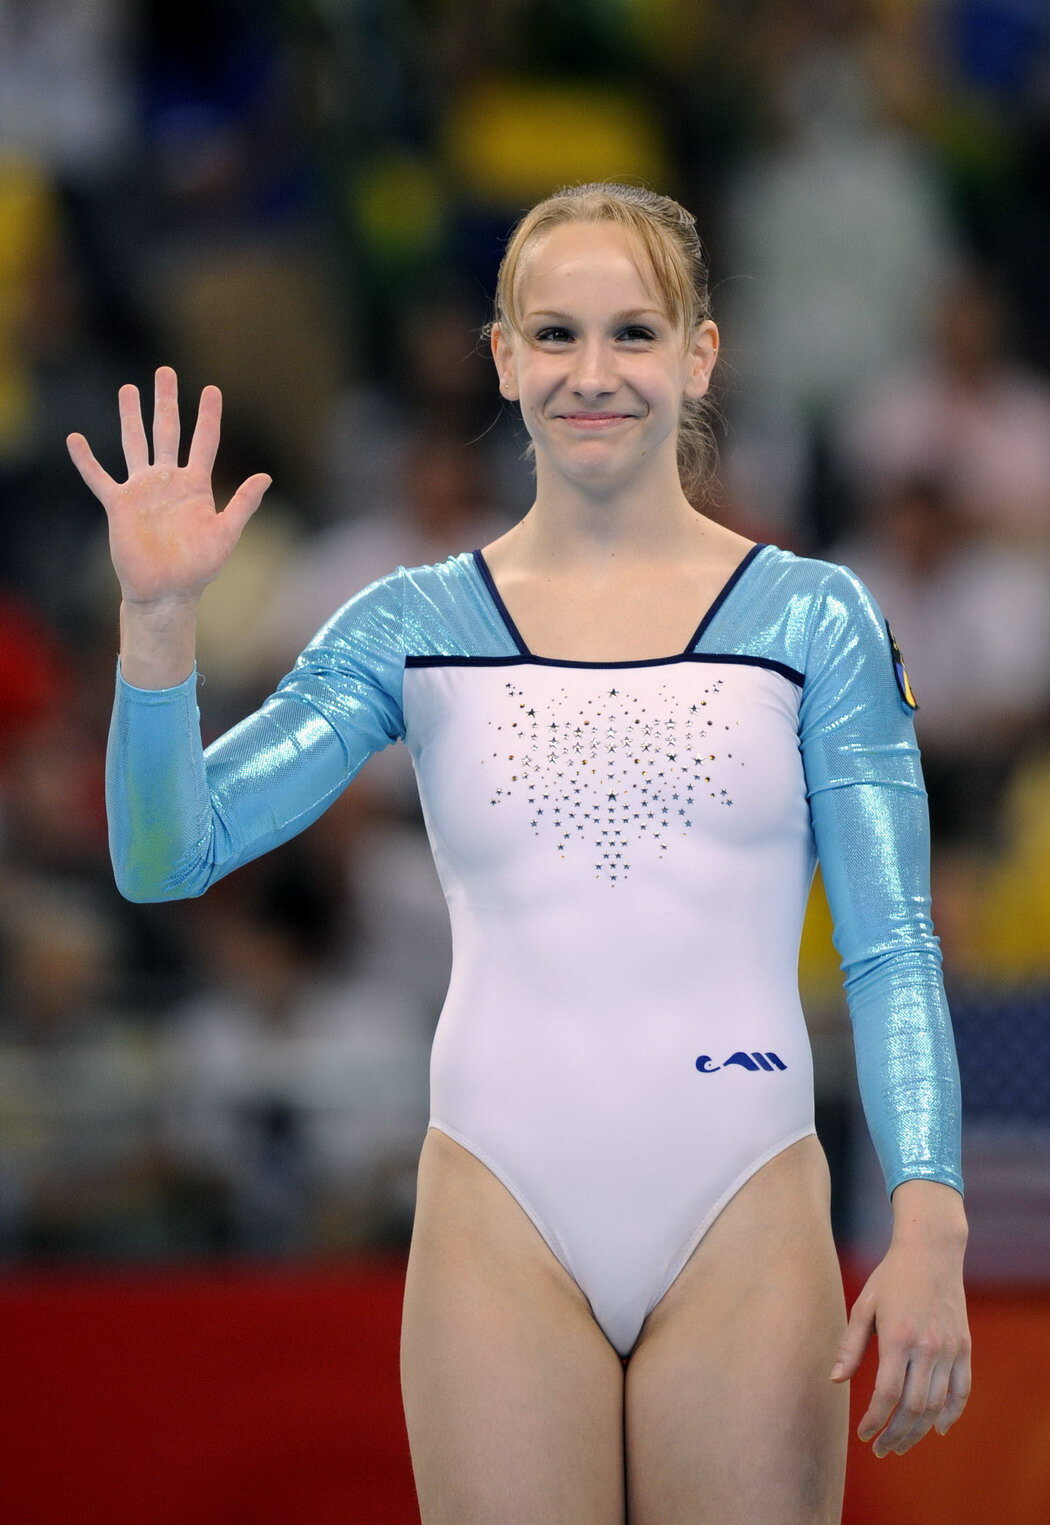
{"points": [[871, 824]]}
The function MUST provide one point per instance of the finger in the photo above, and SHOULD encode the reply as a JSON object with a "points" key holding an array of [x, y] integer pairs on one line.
{"points": [[940, 1384], [889, 1384], [98, 479], [204, 445], [958, 1392], [935, 1399], [132, 432], [244, 503], [854, 1343], [165, 417], [909, 1421]]}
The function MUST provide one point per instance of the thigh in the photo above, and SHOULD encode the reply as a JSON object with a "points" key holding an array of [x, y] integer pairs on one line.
{"points": [[729, 1411], [513, 1396]]}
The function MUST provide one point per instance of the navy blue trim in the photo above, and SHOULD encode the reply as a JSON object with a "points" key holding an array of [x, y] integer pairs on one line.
{"points": [[516, 637], [741, 658], [501, 608], [730, 585]]}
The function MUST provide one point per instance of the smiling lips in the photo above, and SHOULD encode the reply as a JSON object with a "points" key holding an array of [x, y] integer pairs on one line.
{"points": [[594, 421]]}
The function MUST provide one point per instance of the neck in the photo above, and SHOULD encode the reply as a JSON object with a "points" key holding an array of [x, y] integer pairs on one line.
{"points": [[572, 522]]}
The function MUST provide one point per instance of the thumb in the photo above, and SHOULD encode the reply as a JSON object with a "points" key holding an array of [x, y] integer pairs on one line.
{"points": [[854, 1342], [245, 501]]}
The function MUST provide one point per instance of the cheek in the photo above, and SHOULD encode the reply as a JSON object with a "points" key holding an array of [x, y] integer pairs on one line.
{"points": [[535, 386]]}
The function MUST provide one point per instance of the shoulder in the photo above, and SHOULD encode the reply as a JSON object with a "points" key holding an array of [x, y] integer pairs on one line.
{"points": [[809, 572], [409, 609], [391, 592], [849, 646], [821, 596], [838, 630], [785, 608]]}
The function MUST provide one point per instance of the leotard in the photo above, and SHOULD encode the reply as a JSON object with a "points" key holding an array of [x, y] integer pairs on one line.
{"points": [[626, 849]]}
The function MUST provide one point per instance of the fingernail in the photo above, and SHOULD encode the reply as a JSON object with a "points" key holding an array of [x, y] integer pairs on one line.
{"points": [[836, 1370]]}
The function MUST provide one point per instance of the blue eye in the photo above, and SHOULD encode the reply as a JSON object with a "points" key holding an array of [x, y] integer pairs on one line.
{"points": [[637, 333]]}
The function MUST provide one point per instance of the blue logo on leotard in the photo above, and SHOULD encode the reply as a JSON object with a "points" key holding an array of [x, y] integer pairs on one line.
{"points": [[755, 1061]]}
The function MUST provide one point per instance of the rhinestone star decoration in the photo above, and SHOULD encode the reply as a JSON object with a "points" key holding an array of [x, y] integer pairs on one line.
{"points": [[615, 774]]}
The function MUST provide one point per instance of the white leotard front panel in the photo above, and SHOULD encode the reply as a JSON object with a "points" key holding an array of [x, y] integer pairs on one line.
{"points": [[627, 853]]}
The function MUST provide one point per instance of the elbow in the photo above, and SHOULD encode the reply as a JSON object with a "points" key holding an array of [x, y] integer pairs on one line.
{"points": [[131, 889], [137, 883], [153, 866], [143, 891]]}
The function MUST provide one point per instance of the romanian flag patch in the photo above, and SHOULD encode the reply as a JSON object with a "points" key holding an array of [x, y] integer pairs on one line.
{"points": [[900, 673]]}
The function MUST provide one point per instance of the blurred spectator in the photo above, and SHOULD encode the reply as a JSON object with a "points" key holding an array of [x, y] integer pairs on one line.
{"points": [[237, 273], [35, 678], [444, 387], [440, 505], [972, 619], [51, 800], [28, 235], [301, 1096], [836, 236], [51, 380], [1011, 942], [77, 1083], [65, 90], [970, 414]]}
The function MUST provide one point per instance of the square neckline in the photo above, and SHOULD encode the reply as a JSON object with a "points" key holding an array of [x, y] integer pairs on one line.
{"points": [[489, 583]]}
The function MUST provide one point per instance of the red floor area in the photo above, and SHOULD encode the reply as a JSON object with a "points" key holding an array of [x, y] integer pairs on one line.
{"points": [[271, 1397]]}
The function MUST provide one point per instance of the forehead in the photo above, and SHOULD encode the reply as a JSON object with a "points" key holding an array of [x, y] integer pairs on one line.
{"points": [[585, 263]]}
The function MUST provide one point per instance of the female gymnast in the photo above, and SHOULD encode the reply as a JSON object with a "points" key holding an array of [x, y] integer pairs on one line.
{"points": [[634, 732]]}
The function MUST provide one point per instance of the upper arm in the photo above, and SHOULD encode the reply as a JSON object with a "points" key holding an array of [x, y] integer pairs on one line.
{"points": [[863, 773]]}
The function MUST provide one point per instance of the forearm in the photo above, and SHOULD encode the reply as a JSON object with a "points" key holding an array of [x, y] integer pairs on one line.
{"points": [[158, 642], [906, 1065], [905, 1051], [157, 799]]}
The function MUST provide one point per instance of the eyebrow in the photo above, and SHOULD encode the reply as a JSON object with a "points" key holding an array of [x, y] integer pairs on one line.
{"points": [[620, 317]]}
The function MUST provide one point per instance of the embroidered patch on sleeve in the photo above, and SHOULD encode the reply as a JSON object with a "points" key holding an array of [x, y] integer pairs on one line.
{"points": [[901, 674]]}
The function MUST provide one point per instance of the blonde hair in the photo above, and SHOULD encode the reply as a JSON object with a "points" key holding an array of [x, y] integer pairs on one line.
{"points": [[667, 234]]}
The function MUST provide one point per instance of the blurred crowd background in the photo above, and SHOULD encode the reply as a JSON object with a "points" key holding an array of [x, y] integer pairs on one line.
{"points": [[305, 202]]}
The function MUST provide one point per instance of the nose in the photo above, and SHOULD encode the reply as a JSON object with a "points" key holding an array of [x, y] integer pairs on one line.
{"points": [[593, 370]]}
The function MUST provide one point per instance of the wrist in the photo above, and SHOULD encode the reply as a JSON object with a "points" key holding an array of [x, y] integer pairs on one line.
{"points": [[158, 641], [160, 611], [925, 1210]]}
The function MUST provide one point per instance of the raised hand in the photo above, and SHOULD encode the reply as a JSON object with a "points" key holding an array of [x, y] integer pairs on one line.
{"points": [[166, 538]]}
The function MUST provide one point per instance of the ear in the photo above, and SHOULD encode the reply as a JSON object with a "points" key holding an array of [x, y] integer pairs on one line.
{"points": [[503, 355], [703, 352]]}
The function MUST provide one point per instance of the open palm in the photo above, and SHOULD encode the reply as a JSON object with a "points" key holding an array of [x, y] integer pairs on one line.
{"points": [[166, 538]]}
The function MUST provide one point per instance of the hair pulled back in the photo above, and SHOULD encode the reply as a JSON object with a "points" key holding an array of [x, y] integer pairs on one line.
{"points": [[667, 235]]}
